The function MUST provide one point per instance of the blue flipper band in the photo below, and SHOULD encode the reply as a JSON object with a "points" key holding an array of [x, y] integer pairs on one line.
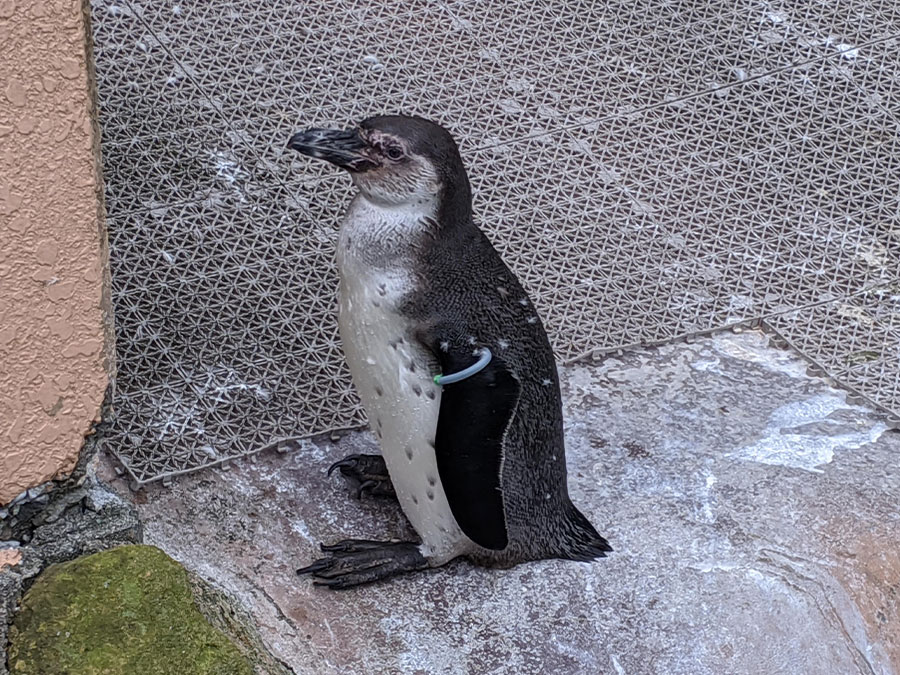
{"points": [[476, 367]]}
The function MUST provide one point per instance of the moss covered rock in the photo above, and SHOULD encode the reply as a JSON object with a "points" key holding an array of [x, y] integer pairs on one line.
{"points": [[129, 610]]}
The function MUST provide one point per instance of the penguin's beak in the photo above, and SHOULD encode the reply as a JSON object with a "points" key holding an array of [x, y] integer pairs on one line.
{"points": [[344, 148]]}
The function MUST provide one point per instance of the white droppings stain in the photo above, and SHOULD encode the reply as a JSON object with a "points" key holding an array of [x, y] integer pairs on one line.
{"points": [[372, 61], [708, 499], [707, 365], [717, 567], [510, 106], [874, 255], [524, 302], [460, 24], [766, 582], [754, 347], [580, 383], [491, 55], [445, 346], [856, 313], [503, 344], [229, 171], [531, 319], [585, 659], [300, 528], [785, 445], [223, 389], [775, 17], [471, 340], [848, 52], [421, 649], [737, 303], [180, 72], [334, 640], [545, 382]]}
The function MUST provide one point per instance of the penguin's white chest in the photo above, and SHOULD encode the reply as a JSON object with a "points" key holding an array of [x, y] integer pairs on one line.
{"points": [[393, 376]]}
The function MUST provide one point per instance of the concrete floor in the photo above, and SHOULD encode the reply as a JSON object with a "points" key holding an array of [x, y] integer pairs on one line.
{"points": [[753, 512]]}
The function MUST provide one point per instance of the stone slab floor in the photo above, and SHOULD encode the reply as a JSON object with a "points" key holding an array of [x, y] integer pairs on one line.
{"points": [[753, 511]]}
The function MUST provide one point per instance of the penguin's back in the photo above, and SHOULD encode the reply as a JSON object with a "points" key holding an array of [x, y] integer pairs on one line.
{"points": [[466, 283]]}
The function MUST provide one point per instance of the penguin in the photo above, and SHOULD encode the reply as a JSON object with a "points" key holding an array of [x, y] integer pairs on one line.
{"points": [[452, 364]]}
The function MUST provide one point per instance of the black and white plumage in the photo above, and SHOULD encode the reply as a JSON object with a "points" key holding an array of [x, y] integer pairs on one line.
{"points": [[478, 466]]}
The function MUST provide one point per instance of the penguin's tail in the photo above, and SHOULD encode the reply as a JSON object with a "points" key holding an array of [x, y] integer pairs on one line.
{"points": [[581, 541]]}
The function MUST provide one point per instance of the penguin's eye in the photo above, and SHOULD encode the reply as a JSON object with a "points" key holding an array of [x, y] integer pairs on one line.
{"points": [[394, 152]]}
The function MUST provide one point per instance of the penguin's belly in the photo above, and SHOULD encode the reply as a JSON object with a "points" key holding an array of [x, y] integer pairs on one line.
{"points": [[394, 380]]}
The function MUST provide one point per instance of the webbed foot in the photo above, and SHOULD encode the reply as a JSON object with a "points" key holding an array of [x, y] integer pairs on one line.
{"points": [[353, 562]]}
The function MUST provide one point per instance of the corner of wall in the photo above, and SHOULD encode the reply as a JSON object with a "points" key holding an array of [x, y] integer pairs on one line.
{"points": [[56, 333]]}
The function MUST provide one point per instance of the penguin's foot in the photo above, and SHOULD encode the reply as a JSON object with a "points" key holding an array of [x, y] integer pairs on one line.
{"points": [[367, 474], [353, 562]]}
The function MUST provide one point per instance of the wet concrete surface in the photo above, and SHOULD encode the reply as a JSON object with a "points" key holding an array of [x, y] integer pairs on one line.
{"points": [[753, 512]]}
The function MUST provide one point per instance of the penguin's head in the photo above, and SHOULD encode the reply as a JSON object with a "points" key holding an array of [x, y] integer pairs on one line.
{"points": [[392, 159]]}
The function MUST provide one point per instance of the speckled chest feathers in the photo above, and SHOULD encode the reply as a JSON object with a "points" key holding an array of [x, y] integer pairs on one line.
{"points": [[393, 373]]}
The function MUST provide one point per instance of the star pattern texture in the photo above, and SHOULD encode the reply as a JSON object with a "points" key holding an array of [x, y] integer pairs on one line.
{"points": [[651, 169]]}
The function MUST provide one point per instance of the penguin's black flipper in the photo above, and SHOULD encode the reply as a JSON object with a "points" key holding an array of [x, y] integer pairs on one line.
{"points": [[473, 419]]}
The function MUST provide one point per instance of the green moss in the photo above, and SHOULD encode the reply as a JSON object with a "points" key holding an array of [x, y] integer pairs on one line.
{"points": [[125, 611]]}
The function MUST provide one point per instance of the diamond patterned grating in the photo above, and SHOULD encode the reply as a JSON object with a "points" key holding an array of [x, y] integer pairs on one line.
{"points": [[854, 340], [651, 169]]}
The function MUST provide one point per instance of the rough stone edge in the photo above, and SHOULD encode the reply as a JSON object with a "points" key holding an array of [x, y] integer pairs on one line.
{"points": [[66, 519], [217, 609], [229, 618], [60, 521], [10, 594]]}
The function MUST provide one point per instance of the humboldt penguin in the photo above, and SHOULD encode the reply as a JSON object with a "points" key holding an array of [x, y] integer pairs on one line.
{"points": [[452, 364]]}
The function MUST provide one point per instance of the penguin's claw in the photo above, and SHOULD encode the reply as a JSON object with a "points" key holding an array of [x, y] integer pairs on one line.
{"points": [[349, 462], [364, 486], [353, 562], [353, 546], [351, 580], [366, 474], [315, 567]]}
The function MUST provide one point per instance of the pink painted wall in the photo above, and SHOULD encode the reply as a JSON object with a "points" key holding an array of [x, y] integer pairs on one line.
{"points": [[55, 337]]}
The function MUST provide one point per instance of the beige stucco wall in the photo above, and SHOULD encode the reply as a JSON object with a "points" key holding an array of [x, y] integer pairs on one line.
{"points": [[53, 335]]}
